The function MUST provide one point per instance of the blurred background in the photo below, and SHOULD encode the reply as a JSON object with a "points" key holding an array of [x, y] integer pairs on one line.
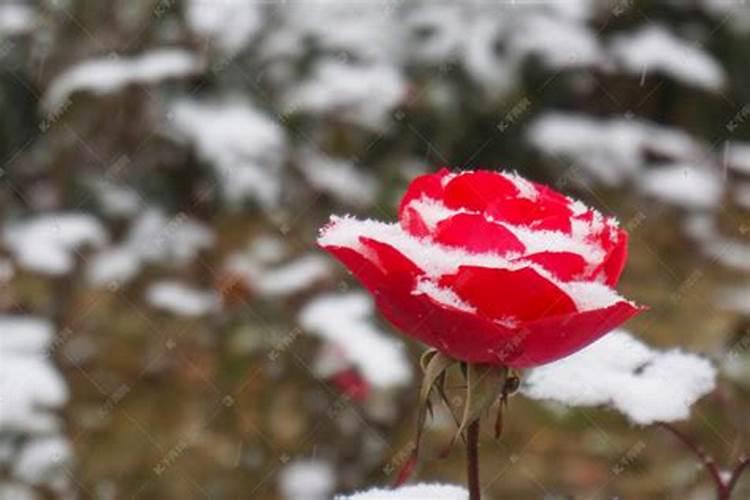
{"points": [[168, 328]]}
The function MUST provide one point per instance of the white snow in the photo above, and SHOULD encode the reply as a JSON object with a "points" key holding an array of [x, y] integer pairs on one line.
{"points": [[685, 185], [15, 19], [363, 30], [47, 243], [16, 491], [42, 461], [280, 280], [243, 145], [114, 265], [414, 492], [30, 386], [358, 94], [347, 321], [656, 49], [32, 447], [727, 251], [310, 479], [230, 24], [109, 74], [293, 277], [267, 249], [152, 238], [181, 299], [433, 211], [608, 150], [338, 177], [442, 295], [558, 43], [621, 372], [737, 157], [24, 334], [116, 200], [499, 41]]}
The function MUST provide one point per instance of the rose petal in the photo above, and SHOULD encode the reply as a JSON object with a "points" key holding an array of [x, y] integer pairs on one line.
{"points": [[522, 294], [614, 262], [478, 190], [473, 232], [413, 222], [446, 328], [565, 266], [395, 264], [551, 338], [367, 272], [535, 214]]}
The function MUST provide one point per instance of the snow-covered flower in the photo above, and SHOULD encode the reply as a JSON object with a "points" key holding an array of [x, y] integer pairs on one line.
{"points": [[488, 267]]}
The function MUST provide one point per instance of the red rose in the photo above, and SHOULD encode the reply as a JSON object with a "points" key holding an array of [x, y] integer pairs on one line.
{"points": [[488, 267]]}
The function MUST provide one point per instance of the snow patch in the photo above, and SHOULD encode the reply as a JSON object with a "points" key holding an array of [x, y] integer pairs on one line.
{"points": [[415, 492], [655, 48], [364, 95], [244, 146], [107, 75], [346, 320], [282, 280], [182, 300], [47, 243], [685, 185], [307, 480], [152, 238], [621, 372], [231, 24], [339, 178]]}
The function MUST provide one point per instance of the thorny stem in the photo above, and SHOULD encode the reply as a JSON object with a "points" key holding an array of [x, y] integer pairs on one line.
{"points": [[724, 487], [472, 460]]}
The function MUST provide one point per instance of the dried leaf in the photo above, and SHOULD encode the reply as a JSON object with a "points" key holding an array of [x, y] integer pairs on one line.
{"points": [[485, 384]]}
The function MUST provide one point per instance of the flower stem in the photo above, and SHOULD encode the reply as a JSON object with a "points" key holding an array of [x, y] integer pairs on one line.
{"points": [[472, 460]]}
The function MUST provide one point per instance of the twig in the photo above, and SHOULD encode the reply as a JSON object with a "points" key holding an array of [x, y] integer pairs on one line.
{"points": [[743, 464], [723, 489]]}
